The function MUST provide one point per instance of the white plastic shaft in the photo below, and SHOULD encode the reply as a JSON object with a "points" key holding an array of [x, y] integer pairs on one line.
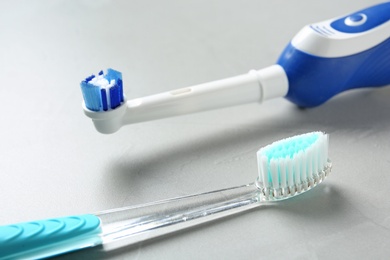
{"points": [[255, 86]]}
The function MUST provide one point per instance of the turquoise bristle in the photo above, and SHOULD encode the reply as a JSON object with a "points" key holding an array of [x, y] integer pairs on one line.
{"points": [[287, 148], [293, 163]]}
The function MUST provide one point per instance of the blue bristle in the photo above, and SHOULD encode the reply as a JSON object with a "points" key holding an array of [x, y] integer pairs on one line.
{"points": [[120, 84], [113, 74], [96, 97], [104, 99], [114, 96], [88, 79], [91, 96], [117, 88]]}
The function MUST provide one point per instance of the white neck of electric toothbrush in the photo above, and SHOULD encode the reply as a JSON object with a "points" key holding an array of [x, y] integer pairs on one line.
{"points": [[255, 86]]}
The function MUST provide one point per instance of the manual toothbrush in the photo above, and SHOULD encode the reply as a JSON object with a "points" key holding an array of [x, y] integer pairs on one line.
{"points": [[286, 168]]}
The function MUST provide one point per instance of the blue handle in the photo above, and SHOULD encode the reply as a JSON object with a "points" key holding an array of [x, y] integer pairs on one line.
{"points": [[313, 80], [38, 239], [315, 76], [363, 20]]}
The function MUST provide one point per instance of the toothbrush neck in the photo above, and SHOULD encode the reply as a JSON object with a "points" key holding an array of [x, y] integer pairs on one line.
{"points": [[135, 224], [255, 86]]}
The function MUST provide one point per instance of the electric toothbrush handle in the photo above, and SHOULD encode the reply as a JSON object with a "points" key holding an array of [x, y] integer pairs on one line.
{"points": [[339, 54]]}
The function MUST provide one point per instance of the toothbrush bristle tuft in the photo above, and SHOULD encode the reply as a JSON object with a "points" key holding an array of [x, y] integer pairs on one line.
{"points": [[293, 165], [104, 91], [88, 79]]}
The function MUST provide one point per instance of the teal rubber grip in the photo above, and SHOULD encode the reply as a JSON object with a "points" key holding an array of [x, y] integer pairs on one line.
{"points": [[44, 238]]}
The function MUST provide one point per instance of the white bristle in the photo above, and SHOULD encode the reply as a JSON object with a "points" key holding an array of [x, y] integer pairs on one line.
{"points": [[283, 174], [263, 169], [101, 82], [319, 155], [304, 168], [293, 164], [297, 170], [290, 174], [274, 173]]}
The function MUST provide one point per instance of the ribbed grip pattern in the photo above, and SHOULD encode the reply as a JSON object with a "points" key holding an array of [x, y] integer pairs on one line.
{"points": [[48, 237]]}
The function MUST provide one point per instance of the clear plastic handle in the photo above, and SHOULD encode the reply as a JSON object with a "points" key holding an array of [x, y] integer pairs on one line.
{"points": [[135, 224]]}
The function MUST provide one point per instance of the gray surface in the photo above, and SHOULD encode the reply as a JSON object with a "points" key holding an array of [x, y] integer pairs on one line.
{"points": [[54, 163]]}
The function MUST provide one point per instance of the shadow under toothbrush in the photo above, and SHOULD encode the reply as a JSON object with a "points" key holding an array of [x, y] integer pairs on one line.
{"points": [[352, 110], [358, 110]]}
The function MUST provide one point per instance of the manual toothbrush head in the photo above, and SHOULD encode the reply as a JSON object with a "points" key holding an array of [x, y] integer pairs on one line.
{"points": [[293, 165]]}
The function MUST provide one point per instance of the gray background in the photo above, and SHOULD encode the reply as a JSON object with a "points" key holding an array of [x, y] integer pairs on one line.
{"points": [[54, 163]]}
